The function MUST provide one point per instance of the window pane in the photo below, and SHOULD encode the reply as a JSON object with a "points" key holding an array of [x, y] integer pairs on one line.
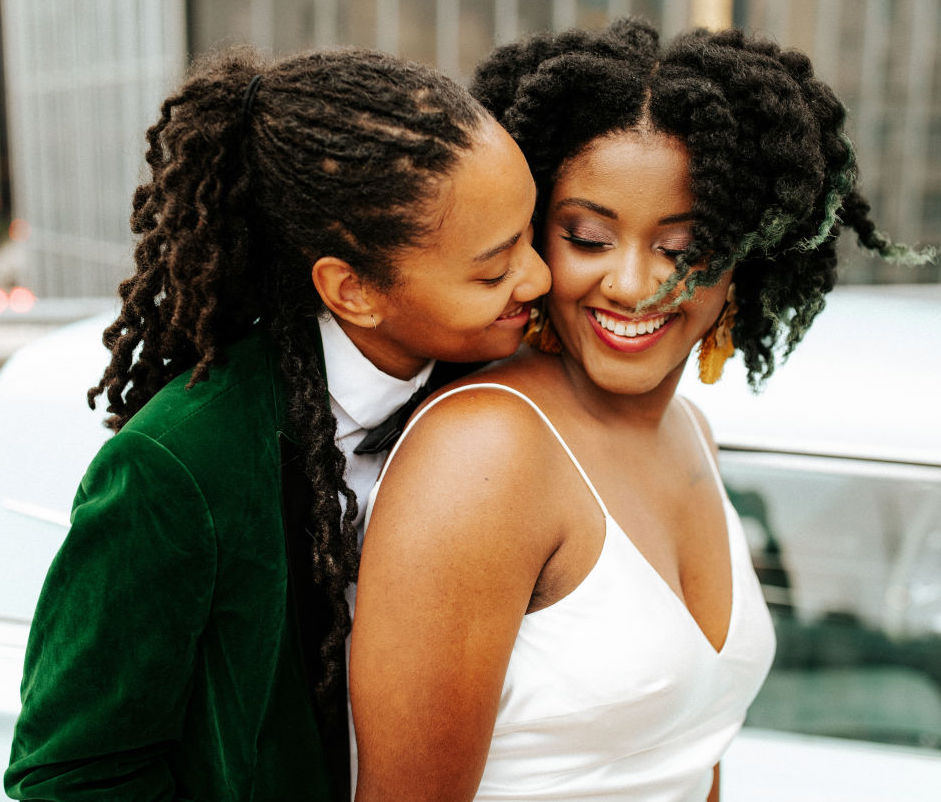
{"points": [[849, 556]]}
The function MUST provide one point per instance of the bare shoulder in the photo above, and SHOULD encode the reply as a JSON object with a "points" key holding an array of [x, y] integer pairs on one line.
{"points": [[529, 372], [482, 452], [475, 430], [485, 410]]}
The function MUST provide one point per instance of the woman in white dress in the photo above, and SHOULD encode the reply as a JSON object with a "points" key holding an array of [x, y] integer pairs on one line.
{"points": [[556, 600]]}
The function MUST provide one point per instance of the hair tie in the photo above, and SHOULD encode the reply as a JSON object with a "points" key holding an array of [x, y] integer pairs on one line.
{"points": [[248, 100]]}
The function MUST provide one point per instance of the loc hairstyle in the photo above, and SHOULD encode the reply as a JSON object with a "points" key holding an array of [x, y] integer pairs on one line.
{"points": [[773, 174], [252, 180]]}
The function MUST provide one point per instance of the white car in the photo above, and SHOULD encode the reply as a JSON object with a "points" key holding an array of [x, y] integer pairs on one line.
{"points": [[49, 437], [835, 468]]}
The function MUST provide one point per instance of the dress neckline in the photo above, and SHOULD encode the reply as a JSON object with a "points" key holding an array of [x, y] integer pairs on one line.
{"points": [[610, 520]]}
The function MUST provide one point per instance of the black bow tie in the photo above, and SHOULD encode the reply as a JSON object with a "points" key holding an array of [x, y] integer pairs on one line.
{"points": [[383, 436]]}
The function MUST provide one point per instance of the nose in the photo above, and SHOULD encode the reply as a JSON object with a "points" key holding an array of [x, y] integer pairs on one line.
{"points": [[535, 279], [635, 275]]}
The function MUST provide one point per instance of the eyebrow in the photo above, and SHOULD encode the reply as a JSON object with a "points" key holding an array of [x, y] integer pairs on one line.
{"points": [[685, 217], [503, 246], [604, 211]]}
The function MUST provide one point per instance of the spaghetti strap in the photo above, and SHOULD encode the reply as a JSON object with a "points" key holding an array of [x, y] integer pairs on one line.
{"points": [[710, 457], [518, 394]]}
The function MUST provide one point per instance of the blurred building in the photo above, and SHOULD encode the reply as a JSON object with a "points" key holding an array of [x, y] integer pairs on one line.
{"points": [[84, 79], [4, 151]]}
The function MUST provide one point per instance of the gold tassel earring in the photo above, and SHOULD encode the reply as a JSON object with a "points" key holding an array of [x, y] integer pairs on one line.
{"points": [[539, 332], [716, 345]]}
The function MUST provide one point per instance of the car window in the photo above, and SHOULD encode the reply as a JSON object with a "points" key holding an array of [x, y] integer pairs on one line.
{"points": [[848, 552]]}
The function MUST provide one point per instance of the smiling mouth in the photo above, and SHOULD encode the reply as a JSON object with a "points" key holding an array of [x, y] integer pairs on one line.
{"points": [[630, 328], [513, 312]]}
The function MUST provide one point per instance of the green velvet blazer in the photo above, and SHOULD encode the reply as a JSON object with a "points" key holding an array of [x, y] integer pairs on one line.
{"points": [[175, 642]]}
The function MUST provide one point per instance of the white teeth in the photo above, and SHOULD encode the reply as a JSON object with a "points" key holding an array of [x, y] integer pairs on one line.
{"points": [[629, 329]]}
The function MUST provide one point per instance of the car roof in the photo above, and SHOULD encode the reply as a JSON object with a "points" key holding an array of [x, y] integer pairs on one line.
{"points": [[50, 433], [864, 383]]}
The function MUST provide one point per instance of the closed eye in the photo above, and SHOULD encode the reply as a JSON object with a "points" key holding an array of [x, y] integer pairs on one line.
{"points": [[672, 253], [493, 282], [588, 244]]}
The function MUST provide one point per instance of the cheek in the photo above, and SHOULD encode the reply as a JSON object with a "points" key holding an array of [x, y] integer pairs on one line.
{"points": [[571, 279], [560, 260], [564, 312], [550, 251], [711, 301], [460, 317]]}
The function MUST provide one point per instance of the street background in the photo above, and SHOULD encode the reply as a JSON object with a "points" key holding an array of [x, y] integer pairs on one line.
{"points": [[83, 79]]}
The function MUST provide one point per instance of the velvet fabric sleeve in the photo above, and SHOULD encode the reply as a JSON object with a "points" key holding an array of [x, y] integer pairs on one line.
{"points": [[109, 664]]}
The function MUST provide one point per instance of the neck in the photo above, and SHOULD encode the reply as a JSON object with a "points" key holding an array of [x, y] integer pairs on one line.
{"points": [[639, 410], [377, 349]]}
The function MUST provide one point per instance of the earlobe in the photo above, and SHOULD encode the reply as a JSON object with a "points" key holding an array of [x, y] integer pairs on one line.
{"points": [[344, 293]]}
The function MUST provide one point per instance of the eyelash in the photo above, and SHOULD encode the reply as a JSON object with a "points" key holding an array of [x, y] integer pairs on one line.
{"points": [[673, 254], [493, 282], [597, 245], [589, 244]]}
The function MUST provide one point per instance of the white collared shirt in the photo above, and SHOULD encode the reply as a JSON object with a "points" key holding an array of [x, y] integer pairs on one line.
{"points": [[361, 396]]}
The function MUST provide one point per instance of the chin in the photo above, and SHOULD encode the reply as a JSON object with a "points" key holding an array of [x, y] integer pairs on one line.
{"points": [[619, 380], [484, 353], [500, 350]]}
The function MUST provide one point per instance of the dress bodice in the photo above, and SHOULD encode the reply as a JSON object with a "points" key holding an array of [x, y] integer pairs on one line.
{"points": [[613, 691]]}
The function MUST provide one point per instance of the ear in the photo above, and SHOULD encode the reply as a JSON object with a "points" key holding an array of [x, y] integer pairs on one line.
{"points": [[344, 293]]}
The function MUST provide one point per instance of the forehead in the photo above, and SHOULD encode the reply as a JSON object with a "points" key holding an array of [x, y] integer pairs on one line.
{"points": [[489, 193], [629, 167]]}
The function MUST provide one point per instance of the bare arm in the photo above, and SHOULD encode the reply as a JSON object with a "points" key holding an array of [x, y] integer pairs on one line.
{"points": [[455, 545], [714, 791]]}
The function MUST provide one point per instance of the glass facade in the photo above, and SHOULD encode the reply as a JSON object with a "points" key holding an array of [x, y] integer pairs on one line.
{"points": [[83, 87]]}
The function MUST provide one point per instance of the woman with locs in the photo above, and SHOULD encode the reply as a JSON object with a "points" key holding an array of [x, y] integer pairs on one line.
{"points": [[314, 234], [571, 613]]}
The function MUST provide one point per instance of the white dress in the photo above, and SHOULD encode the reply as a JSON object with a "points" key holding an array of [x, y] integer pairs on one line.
{"points": [[613, 692]]}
